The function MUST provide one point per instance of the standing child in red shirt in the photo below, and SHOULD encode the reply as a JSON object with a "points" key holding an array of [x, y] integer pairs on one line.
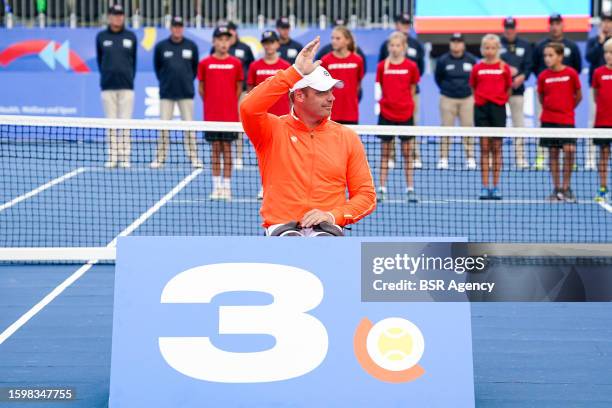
{"points": [[397, 77], [602, 86], [491, 82], [266, 67], [345, 64], [221, 78], [559, 93]]}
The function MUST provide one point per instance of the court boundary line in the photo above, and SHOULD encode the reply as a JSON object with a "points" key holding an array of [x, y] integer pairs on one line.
{"points": [[606, 206], [58, 290], [42, 188]]}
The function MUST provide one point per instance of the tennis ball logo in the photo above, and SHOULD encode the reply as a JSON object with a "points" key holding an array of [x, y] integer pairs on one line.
{"points": [[394, 344], [390, 349]]}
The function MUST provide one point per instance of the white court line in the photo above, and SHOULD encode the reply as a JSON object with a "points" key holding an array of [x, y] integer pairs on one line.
{"points": [[41, 188], [9, 331], [606, 206], [169, 169], [208, 200]]}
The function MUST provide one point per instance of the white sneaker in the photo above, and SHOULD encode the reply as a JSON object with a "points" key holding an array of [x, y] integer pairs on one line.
{"points": [[442, 164], [216, 194], [156, 165], [522, 165], [125, 165], [381, 194], [260, 194], [391, 164], [226, 194], [471, 164], [110, 164], [238, 164], [197, 164], [590, 166], [417, 164]]}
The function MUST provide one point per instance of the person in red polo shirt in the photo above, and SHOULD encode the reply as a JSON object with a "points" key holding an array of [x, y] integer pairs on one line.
{"points": [[602, 87], [221, 77], [397, 77], [268, 66], [559, 93], [265, 68], [491, 81], [345, 64]]}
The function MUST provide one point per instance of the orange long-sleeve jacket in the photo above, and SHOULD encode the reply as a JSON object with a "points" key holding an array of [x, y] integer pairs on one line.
{"points": [[301, 168]]}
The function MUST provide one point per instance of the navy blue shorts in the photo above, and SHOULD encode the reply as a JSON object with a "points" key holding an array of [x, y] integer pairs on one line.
{"points": [[558, 143], [602, 142], [386, 122], [220, 136]]}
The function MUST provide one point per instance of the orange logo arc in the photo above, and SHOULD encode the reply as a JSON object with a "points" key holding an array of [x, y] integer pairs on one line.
{"points": [[366, 362]]}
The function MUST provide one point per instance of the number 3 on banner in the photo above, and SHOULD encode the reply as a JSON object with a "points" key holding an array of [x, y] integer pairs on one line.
{"points": [[301, 339]]}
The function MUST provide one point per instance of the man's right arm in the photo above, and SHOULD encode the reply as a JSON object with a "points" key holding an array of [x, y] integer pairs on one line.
{"points": [[537, 59], [593, 50], [256, 121], [439, 73], [99, 51], [383, 52]]}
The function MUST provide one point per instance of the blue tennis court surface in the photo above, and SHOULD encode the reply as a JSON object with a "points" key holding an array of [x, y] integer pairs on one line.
{"points": [[60, 195], [525, 354], [89, 205]]}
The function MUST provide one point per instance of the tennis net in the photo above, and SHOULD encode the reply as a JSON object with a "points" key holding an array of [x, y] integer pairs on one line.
{"points": [[55, 190]]}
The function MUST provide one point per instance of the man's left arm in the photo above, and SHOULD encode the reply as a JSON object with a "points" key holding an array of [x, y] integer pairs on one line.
{"points": [[527, 63], [195, 60], [420, 57], [362, 194], [593, 50], [363, 57], [577, 57]]}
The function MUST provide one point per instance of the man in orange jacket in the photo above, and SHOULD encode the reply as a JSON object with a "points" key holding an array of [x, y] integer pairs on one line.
{"points": [[307, 162]]}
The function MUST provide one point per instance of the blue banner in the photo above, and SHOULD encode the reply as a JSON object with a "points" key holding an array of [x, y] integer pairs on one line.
{"points": [[62, 63], [262, 322]]}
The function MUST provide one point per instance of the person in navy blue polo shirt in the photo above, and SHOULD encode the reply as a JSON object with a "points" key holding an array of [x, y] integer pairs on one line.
{"points": [[452, 76], [289, 48], [571, 54], [518, 54], [175, 61], [116, 57]]}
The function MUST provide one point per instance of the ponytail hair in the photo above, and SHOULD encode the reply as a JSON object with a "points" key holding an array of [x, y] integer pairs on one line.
{"points": [[352, 45]]}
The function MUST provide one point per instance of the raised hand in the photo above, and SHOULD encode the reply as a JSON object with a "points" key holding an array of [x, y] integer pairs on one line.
{"points": [[304, 61]]}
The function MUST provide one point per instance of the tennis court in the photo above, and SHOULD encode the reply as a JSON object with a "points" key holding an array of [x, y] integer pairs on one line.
{"points": [[525, 354], [57, 193]]}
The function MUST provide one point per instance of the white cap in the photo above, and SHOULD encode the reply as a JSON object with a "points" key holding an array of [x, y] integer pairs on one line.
{"points": [[319, 79]]}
